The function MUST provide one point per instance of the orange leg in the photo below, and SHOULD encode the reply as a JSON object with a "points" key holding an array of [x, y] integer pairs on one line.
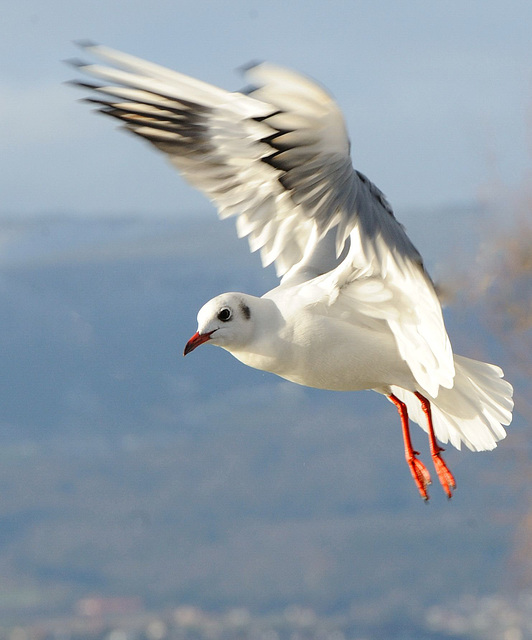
{"points": [[418, 470], [445, 477]]}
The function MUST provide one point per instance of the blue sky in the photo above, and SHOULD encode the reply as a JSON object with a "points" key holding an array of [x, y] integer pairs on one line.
{"points": [[437, 95]]}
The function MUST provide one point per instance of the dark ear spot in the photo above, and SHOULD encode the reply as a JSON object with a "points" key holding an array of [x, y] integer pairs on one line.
{"points": [[245, 311]]}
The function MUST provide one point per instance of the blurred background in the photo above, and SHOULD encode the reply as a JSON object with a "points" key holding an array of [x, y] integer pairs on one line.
{"points": [[144, 496]]}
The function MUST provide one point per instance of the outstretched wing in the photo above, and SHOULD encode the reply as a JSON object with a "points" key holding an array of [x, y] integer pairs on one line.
{"points": [[277, 157], [239, 149]]}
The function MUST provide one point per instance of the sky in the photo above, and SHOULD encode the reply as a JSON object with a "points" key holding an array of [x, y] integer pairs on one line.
{"points": [[437, 95]]}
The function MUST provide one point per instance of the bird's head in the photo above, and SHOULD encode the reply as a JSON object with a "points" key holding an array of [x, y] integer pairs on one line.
{"points": [[225, 321]]}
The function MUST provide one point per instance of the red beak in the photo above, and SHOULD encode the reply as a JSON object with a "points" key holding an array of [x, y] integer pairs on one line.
{"points": [[195, 341]]}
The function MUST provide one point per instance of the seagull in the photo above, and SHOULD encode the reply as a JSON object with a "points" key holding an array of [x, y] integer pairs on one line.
{"points": [[355, 308]]}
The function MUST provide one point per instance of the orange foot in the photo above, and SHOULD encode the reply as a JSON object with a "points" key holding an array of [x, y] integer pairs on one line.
{"points": [[445, 477], [420, 473]]}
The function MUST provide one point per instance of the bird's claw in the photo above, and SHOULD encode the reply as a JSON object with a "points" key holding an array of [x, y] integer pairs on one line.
{"points": [[421, 475], [445, 477]]}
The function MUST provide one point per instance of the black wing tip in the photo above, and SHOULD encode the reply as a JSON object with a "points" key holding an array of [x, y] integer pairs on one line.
{"points": [[80, 84], [247, 66], [85, 43], [77, 63]]}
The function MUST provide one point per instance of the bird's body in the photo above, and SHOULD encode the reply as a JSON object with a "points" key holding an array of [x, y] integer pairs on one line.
{"points": [[311, 347], [355, 308]]}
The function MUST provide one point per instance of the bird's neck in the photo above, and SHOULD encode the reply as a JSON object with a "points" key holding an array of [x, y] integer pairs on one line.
{"points": [[265, 349]]}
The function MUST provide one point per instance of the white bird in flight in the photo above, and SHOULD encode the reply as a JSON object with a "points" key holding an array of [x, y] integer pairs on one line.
{"points": [[355, 308]]}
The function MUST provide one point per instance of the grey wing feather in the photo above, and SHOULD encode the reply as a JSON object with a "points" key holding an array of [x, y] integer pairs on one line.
{"points": [[276, 157]]}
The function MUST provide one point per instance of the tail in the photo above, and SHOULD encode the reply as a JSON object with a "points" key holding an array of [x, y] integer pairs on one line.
{"points": [[473, 411]]}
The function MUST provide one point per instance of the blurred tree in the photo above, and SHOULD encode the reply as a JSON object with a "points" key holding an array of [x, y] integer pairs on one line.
{"points": [[503, 280]]}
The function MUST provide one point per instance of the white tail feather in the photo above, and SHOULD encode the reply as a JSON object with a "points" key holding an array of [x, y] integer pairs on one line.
{"points": [[473, 411]]}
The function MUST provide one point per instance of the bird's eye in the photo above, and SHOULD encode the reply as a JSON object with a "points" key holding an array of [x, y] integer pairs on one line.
{"points": [[225, 314]]}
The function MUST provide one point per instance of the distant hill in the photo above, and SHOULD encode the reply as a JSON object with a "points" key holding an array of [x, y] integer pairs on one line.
{"points": [[128, 470]]}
